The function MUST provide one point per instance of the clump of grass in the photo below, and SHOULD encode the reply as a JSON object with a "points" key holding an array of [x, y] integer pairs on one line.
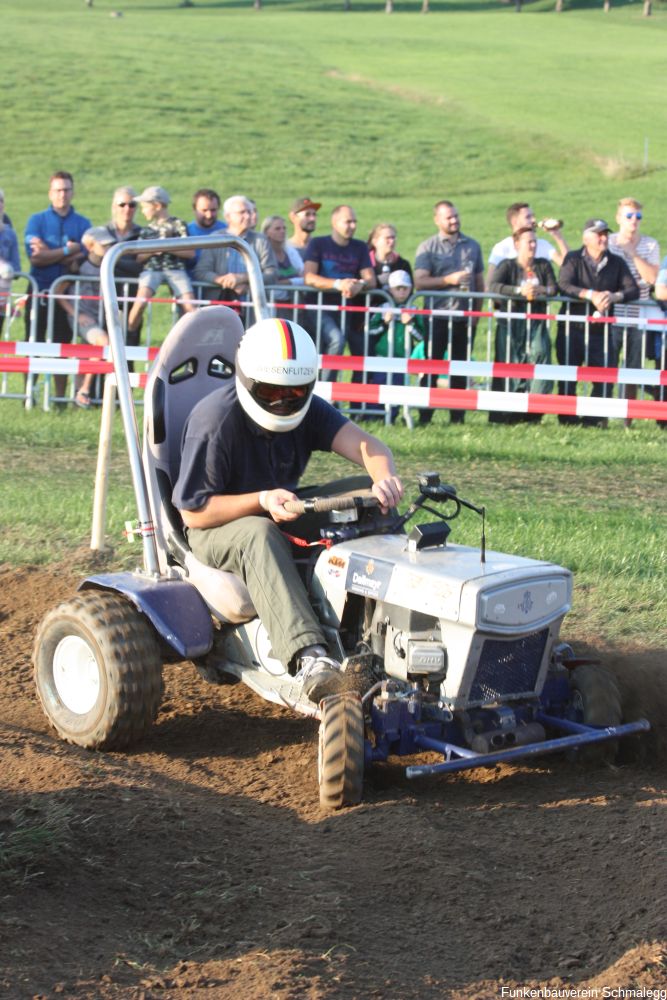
{"points": [[615, 168], [30, 834]]}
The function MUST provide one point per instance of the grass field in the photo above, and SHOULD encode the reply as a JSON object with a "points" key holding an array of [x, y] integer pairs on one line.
{"points": [[472, 102], [592, 500]]}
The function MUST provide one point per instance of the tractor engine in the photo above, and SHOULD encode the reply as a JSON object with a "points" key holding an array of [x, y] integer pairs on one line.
{"points": [[409, 642]]}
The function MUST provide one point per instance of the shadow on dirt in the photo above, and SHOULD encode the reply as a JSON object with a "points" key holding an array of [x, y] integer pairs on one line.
{"points": [[225, 731], [152, 874]]}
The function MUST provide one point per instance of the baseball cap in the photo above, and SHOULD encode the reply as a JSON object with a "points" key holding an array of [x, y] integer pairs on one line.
{"points": [[301, 204], [596, 226], [101, 235], [399, 279], [155, 193]]}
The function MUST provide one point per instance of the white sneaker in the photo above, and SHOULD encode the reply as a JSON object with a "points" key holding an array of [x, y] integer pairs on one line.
{"points": [[320, 674]]}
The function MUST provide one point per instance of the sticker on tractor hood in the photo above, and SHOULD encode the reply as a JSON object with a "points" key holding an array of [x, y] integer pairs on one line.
{"points": [[368, 576]]}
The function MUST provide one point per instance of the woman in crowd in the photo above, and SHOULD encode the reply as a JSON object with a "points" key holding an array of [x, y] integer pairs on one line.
{"points": [[290, 264], [382, 246], [529, 280]]}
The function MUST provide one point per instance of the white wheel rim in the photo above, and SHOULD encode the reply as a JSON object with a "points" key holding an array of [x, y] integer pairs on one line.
{"points": [[76, 674]]}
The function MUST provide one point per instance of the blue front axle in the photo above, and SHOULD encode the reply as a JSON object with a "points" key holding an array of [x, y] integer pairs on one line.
{"points": [[404, 725], [463, 758]]}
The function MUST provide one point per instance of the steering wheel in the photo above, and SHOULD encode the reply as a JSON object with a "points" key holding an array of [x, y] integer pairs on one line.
{"points": [[323, 505]]}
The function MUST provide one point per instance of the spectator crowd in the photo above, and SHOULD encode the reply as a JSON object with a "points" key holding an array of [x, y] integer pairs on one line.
{"points": [[611, 284]]}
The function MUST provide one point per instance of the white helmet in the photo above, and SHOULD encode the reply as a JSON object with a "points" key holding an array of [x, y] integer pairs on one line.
{"points": [[276, 371]]}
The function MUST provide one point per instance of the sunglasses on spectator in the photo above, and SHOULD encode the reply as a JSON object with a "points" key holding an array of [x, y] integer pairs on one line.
{"points": [[632, 215], [126, 204]]}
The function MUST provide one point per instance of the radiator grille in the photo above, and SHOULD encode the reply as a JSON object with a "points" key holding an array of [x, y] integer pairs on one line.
{"points": [[507, 668]]}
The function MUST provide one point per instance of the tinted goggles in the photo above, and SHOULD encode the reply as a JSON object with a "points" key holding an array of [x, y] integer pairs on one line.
{"points": [[281, 399]]}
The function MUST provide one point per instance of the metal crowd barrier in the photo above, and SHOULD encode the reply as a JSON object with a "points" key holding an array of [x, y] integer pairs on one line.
{"points": [[12, 310], [309, 308], [465, 323], [83, 292]]}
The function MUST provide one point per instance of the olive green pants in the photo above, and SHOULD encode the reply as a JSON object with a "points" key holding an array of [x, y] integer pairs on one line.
{"points": [[255, 549]]}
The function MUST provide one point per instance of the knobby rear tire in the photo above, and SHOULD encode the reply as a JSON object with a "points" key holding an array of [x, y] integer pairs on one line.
{"points": [[114, 652]]}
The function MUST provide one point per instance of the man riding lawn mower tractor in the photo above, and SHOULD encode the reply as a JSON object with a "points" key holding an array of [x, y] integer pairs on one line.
{"points": [[395, 640]]}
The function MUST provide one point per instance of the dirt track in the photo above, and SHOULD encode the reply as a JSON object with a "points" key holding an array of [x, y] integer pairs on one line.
{"points": [[200, 866]]}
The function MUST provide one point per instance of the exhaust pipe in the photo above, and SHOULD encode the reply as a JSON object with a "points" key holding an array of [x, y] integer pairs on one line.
{"points": [[497, 739]]}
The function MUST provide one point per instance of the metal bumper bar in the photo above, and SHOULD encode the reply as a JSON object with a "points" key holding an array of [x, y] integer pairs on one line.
{"points": [[465, 758]]}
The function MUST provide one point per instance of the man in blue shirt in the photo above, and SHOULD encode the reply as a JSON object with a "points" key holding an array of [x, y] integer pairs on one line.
{"points": [[206, 206], [53, 246]]}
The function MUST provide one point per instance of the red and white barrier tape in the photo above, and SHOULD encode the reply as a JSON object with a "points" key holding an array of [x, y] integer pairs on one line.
{"points": [[480, 399], [63, 359], [29, 349], [494, 369], [417, 396]]}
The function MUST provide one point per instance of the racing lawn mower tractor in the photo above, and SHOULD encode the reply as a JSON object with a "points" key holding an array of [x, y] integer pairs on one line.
{"points": [[448, 649]]}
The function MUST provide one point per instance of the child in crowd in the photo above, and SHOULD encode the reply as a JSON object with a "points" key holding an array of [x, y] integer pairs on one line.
{"points": [[161, 267], [407, 328], [84, 316], [394, 334]]}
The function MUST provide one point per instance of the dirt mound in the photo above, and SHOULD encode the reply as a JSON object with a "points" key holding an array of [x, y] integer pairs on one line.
{"points": [[199, 865], [642, 676]]}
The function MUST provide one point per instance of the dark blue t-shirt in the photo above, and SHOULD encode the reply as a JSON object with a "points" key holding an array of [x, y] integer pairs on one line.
{"points": [[224, 452], [335, 261]]}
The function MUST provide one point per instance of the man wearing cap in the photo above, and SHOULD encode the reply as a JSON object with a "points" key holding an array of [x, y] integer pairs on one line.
{"points": [[303, 216], [161, 267], [446, 261], [224, 267], [340, 266], [596, 280]]}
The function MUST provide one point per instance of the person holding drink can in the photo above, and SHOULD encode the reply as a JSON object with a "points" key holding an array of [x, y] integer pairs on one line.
{"points": [[529, 280]]}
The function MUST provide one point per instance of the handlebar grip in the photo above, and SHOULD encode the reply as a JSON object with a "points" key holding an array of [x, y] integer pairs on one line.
{"points": [[323, 505]]}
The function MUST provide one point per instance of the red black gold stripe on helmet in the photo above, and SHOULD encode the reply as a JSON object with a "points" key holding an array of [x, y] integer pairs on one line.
{"points": [[287, 338]]}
